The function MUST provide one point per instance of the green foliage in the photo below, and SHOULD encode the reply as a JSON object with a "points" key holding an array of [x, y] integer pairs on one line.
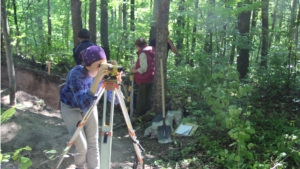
{"points": [[50, 154], [16, 155], [6, 115], [238, 124], [222, 97], [242, 124]]}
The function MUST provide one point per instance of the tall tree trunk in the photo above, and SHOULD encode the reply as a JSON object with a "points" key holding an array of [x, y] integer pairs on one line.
{"points": [[9, 57], [253, 21], [104, 28], [243, 27], [132, 17], [193, 43], [84, 15], [208, 38], [296, 49], [193, 46], [92, 20], [49, 25], [180, 28], [120, 17], [209, 35], [39, 37], [161, 53], [297, 28], [124, 11], [76, 19], [17, 26], [278, 35], [157, 4], [273, 23], [291, 33], [132, 26], [66, 26], [265, 34], [180, 24], [232, 52]]}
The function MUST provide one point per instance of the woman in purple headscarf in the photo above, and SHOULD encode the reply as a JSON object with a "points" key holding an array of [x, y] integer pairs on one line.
{"points": [[77, 96]]}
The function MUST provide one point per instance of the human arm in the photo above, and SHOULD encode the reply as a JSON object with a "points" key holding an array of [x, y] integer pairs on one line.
{"points": [[173, 48], [83, 89], [143, 65], [101, 73]]}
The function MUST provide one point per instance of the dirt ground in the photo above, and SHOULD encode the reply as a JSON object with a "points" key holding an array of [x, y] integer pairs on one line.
{"points": [[39, 126]]}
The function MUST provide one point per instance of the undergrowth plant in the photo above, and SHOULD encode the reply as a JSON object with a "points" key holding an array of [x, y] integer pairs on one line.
{"points": [[226, 96], [24, 162]]}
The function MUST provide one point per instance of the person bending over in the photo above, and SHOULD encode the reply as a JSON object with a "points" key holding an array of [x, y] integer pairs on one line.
{"points": [[77, 96]]}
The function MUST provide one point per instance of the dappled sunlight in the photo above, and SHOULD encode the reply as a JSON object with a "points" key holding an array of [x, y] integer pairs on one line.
{"points": [[126, 136], [9, 131], [5, 99], [54, 123], [150, 156]]}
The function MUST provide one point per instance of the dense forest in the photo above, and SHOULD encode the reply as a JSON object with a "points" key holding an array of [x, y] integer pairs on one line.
{"points": [[236, 73]]}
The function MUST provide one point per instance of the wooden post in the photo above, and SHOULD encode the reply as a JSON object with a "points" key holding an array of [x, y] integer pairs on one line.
{"points": [[48, 65]]}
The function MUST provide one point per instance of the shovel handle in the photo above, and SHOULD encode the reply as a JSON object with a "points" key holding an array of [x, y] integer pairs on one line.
{"points": [[162, 88]]}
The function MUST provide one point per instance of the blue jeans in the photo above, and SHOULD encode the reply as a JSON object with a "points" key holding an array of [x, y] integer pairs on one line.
{"points": [[86, 144]]}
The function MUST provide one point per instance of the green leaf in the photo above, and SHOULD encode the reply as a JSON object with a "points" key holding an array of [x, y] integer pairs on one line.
{"points": [[17, 152], [7, 114], [50, 151], [237, 158], [250, 145], [214, 76], [251, 131], [25, 162]]}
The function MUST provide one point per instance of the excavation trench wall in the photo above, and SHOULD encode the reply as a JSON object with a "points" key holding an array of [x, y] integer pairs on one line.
{"points": [[40, 84]]}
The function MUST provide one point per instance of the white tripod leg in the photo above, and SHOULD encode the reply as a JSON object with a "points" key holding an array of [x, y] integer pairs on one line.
{"points": [[106, 134], [137, 147], [80, 125]]}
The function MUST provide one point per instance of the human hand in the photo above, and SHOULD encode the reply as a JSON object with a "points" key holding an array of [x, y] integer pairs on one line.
{"points": [[119, 77], [133, 70], [102, 70], [113, 62]]}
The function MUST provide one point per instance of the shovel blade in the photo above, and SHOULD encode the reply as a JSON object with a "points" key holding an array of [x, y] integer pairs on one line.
{"points": [[164, 134]]}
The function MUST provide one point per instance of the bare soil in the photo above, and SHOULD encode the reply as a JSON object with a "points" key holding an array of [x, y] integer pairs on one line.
{"points": [[39, 125]]}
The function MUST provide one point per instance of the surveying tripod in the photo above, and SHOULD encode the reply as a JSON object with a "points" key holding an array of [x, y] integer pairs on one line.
{"points": [[107, 129]]}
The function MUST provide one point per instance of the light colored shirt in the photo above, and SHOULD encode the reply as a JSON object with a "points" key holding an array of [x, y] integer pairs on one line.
{"points": [[143, 63]]}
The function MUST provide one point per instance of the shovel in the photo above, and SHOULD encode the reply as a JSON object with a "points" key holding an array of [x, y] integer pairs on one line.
{"points": [[164, 131]]}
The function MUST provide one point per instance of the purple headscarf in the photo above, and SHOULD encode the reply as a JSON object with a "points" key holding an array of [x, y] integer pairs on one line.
{"points": [[92, 54]]}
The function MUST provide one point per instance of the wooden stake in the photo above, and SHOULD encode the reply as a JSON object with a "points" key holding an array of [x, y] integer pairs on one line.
{"points": [[48, 65]]}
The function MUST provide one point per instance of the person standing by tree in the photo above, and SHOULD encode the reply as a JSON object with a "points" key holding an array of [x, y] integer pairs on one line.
{"points": [[144, 75], [77, 96], [84, 38], [170, 45]]}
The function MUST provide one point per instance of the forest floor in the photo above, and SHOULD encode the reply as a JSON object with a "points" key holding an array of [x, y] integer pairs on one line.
{"points": [[41, 127]]}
